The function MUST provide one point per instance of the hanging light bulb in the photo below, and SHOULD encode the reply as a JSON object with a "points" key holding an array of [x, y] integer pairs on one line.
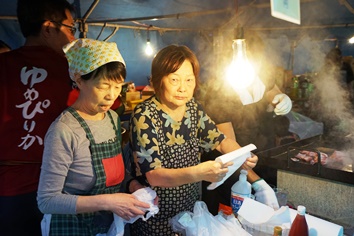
{"points": [[240, 73], [148, 50], [351, 40]]}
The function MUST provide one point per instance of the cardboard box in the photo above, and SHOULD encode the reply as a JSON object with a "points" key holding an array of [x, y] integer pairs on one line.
{"points": [[133, 103], [144, 97], [129, 96]]}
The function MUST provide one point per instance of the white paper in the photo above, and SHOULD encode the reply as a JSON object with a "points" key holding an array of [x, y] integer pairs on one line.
{"points": [[238, 157], [263, 218], [254, 95], [250, 210]]}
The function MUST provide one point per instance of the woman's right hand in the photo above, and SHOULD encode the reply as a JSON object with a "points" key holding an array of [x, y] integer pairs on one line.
{"points": [[213, 171], [126, 205]]}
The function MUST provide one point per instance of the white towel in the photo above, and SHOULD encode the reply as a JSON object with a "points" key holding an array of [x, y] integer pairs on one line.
{"points": [[257, 89], [145, 195]]}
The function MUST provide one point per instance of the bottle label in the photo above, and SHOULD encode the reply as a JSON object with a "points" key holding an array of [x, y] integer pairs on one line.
{"points": [[236, 202], [226, 210]]}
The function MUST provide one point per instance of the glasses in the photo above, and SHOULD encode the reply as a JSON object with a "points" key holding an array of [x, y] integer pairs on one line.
{"points": [[72, 28]]}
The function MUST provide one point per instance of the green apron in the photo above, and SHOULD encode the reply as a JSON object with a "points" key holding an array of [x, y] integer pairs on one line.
{"points": [[104, 155]]}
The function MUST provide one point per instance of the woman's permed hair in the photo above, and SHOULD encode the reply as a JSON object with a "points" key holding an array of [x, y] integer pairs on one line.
{"points": [[169, 60]]}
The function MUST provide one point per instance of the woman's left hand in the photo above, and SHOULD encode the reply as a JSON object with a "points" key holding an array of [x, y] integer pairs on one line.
{"points": [[250, 162]]}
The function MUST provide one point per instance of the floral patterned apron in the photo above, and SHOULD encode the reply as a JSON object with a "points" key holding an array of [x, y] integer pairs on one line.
{"points": [[173, 200]]}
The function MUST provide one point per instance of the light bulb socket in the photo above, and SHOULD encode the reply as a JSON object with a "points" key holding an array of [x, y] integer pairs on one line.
{"points": [[238, 32], [148, 34]]}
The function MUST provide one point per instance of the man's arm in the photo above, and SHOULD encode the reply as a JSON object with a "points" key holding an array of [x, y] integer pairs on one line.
{"points": [[263, 192], [271, 93]]}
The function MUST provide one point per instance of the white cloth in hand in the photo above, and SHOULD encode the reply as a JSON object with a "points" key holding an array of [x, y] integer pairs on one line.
{"points": [[265, 194], [283, 104], [145, 195]]}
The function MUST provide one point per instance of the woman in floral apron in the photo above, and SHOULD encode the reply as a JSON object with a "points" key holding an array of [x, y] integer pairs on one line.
{"points": [[83, 167], [169, 132]]}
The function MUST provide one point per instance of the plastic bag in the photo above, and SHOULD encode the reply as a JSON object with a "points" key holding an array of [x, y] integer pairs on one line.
{"points": [[184, 224], [202, 223], [303, 125]]}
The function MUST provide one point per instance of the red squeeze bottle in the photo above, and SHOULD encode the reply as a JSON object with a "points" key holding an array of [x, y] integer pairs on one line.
{"points": [[299, 226]]}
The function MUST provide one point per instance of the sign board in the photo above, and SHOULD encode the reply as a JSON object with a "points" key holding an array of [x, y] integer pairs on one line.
{"points": [[288, 10]]}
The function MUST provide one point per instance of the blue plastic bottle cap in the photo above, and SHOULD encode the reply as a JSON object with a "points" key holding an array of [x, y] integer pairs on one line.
{"points": [[244, 172]]}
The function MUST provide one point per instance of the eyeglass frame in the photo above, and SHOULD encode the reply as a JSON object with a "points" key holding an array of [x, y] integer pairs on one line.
{"points": [[73, 29]]}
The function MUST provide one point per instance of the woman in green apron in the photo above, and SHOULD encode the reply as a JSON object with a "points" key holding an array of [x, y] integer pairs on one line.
{"points": [[83, 167]]}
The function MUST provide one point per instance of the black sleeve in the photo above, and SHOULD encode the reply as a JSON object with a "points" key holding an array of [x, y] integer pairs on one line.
{"points": [[347, 68]]}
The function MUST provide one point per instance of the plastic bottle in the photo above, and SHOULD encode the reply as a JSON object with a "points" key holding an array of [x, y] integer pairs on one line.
{"points": [[299, 226], [294, 88], [239, 191], [295, 82], [278, 231]]}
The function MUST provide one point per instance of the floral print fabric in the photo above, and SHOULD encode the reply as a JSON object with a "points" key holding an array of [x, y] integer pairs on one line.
{"points": [[160, 142], [145, 129]]}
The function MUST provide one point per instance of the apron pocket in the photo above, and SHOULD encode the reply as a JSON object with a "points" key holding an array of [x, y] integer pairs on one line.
{"points": [[114, 170]]}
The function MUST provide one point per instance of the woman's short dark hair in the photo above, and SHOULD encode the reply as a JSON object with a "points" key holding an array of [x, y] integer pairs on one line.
{"points": [[112, 71], [169, 60], [334, 55], [32, 14]]}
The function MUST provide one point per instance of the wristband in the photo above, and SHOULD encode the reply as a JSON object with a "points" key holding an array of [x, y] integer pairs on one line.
{"points": [[260, 179]]}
